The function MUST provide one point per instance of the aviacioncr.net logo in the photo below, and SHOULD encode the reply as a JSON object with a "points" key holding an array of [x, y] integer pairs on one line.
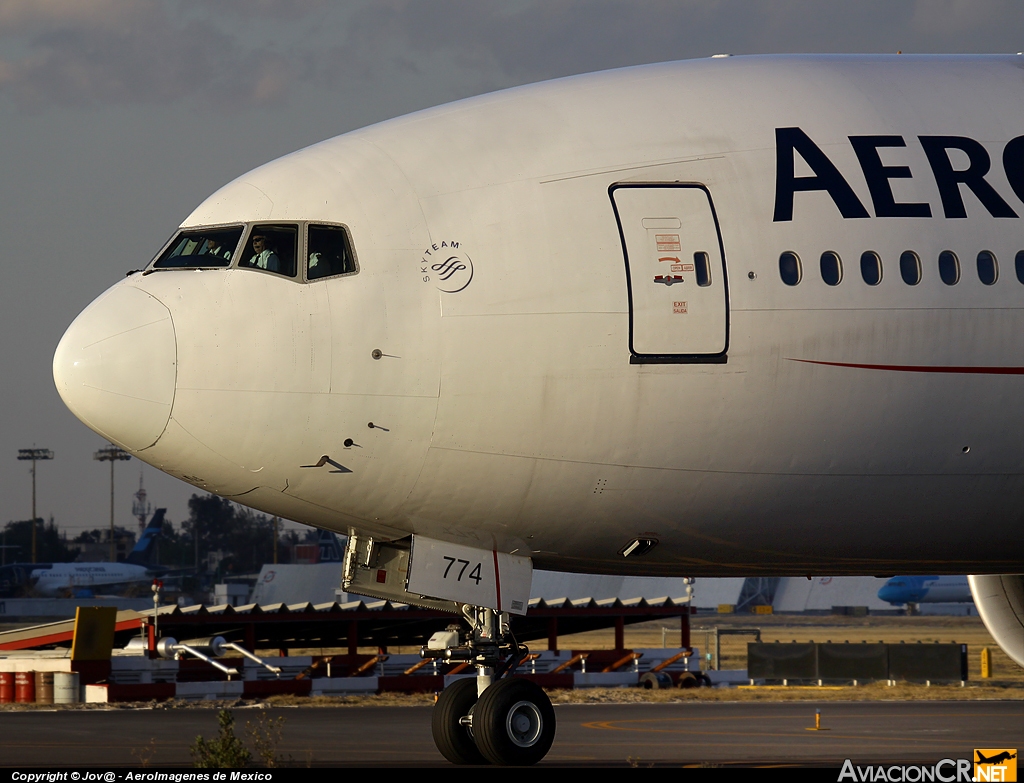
{"points": [[944, 771]]}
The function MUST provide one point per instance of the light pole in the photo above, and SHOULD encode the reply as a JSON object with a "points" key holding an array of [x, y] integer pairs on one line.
{"points": [[35, 455], [111, 454], [275, 540]]}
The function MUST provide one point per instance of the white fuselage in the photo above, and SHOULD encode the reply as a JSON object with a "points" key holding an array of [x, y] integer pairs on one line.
{"points": [[61, 578], [792, 429]]}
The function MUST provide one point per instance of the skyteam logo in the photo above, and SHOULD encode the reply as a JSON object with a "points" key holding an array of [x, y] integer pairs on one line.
{"points": [[448, 266]]}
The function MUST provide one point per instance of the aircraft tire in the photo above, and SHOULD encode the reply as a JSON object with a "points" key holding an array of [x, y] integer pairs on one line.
{"points": [[514, 723], [453, 740]]}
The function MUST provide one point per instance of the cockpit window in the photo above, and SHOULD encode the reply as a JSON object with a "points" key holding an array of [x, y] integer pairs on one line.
{"points": [[329, 252], [272, 248], [200, 247]]}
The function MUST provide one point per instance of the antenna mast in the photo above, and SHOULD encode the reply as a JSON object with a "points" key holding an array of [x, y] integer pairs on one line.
{"points": [[140, 508]]}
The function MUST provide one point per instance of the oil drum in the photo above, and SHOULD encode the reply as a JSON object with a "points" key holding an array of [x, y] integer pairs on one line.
{"points": [[44, 687], [66, 688], [6, 687], [25, 687]]}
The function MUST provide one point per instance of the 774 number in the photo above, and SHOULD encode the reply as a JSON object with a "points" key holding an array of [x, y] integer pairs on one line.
{"points": [[474, 574]]}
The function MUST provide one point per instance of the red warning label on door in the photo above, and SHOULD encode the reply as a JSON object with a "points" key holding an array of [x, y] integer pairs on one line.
{"points": [[668, 243], [679, 308]]}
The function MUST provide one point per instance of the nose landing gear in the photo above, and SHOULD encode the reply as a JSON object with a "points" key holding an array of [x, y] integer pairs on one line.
{"points": [[493, 718]]}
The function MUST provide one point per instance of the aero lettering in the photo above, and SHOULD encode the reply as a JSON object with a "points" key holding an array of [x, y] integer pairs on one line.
{"points": [[950, 179]]}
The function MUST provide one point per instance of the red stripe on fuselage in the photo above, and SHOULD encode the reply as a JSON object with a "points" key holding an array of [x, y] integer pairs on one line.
{"points": [[920, 368], [497, 579]]}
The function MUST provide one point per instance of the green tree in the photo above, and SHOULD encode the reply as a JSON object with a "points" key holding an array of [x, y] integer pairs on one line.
{"points": [[51, 544], [244, 537], [175, 547]]}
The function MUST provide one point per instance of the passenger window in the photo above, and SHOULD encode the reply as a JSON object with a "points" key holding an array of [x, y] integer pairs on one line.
{"points": [[328, 252], [201, 248], [272, 248], [949, 267], [871, 267], [702, 268], [789, 268], [910, 267], [988, 269], [831, 268], [1019, 263]]}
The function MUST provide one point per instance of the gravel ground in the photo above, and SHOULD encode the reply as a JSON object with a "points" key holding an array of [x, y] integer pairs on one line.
{"points": [[873, 692]]}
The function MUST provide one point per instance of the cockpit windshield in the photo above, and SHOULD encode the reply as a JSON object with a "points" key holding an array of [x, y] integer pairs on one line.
{"points": [[325, 250], [201, 248], [272, 248], [329, 252]]}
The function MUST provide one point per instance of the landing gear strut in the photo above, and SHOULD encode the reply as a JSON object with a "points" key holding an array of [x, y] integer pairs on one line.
{"points": [[493, 718]]}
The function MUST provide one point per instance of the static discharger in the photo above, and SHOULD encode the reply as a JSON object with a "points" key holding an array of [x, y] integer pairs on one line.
{"points": [[326, 460], [817, 723]]}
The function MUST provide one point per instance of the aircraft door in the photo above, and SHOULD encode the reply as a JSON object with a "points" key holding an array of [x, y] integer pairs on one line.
{"points": [[675, 273]]}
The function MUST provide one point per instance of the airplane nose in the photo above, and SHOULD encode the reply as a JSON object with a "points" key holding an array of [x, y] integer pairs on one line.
{"points": [[889, 595], [115, 367]]}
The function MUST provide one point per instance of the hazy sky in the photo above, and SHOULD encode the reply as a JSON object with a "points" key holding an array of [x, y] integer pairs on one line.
{"points": [[118, 117]]}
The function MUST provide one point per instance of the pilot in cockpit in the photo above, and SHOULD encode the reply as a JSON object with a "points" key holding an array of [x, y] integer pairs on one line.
{"points": [[263, 257], [214, 247]]}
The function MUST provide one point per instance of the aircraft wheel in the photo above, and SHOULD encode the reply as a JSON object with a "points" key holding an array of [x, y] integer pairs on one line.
{"points": [[514, 723], [454, 740]]}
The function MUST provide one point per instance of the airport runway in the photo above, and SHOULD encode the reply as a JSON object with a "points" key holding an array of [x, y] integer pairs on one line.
{"points": [[588, 735]]}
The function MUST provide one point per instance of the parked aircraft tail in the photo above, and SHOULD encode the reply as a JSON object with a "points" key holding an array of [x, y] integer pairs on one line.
{"points": [[142, 554]]}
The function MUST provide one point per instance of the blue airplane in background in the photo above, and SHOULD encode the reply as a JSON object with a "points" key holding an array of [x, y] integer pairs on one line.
{"points": [[926, 590], [85, 579]]}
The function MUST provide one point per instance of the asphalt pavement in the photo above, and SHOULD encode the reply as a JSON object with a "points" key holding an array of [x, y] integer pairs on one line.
{"points": [[708, 734]]}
